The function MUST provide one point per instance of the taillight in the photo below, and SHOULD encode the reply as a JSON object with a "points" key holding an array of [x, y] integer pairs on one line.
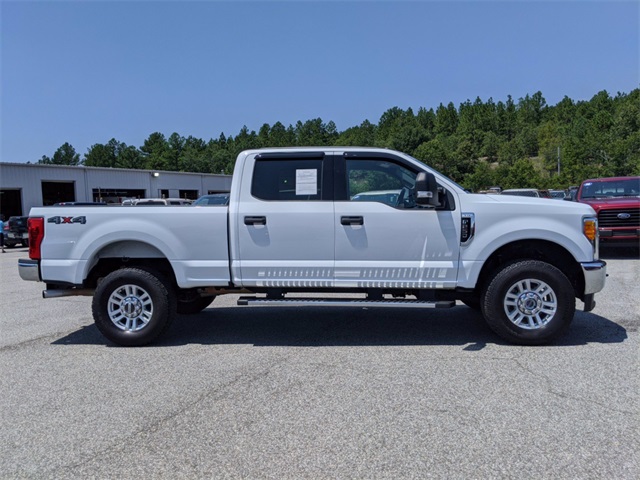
{"points": [[36, 234]]}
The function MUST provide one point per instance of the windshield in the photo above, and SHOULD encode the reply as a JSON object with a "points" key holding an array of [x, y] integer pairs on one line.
{"points": [[609, 189]]}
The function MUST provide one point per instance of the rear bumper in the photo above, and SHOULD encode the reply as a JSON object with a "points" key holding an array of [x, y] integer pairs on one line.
{"points": [[29, 270], [17, 236], [595, 274]]}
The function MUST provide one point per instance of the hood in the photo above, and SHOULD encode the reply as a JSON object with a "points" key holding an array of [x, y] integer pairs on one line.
{"points": [[612, 202], [515, 204]]}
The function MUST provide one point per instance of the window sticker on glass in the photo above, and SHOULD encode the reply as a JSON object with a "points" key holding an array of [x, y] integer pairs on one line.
{"points": [[307, 182]]}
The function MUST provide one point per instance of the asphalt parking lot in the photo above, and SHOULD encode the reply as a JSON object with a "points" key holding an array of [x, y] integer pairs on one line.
{"points": [[244, 392]]}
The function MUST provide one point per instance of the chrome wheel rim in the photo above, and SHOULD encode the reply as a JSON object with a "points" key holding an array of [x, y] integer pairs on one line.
{"points": [[130, 308], [530, 304]]}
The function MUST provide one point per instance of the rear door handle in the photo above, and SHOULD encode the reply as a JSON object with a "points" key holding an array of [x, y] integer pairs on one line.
{"points": [[352, 220], [255, 220]]}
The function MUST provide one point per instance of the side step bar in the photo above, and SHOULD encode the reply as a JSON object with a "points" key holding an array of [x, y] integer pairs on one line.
{"points": [[343, 302], [68, 292]]}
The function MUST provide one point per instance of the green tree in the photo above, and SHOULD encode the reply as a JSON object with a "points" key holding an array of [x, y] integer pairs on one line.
{"points": [[363, 135], [100, 155], [193, 156], [442, 154], [490, 145], [154, 152], [128, 156], [446, 122], [597, 137], [522, 174], [549, 141], [531, 110], [400, 130], [481, 178], [315, 132], [427, 121], [279, 136], [64, 155], [220, 158], [506, 119]]}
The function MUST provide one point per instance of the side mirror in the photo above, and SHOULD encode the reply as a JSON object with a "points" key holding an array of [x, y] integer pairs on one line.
{"points": [[427, 190]]}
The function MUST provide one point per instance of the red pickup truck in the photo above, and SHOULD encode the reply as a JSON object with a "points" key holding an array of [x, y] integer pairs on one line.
{"points": [[616, 201]]}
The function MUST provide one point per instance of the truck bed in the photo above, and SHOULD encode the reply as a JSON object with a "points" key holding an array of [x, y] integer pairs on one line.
{"points": [[77, 237]]}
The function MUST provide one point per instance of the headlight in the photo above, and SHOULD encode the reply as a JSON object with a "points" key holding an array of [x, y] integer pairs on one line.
{"points": [[590, 230]]}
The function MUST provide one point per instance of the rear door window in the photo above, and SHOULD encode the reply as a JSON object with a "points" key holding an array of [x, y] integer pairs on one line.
{"points": [[288, 179]]}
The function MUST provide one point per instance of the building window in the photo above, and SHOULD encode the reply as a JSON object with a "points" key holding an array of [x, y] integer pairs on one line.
{"points": [[57, 192], [189, 194]]}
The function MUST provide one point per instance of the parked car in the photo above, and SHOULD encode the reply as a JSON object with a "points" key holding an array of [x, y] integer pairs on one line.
{"points": [[212, 199], [558, 194], [522, 192], [80, 204], [389, 197], [16, 232], [571, 193], [616, 200], [162, 201]]}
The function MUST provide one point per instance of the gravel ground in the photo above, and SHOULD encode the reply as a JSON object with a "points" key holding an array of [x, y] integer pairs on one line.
{"points": [[247, 392]]}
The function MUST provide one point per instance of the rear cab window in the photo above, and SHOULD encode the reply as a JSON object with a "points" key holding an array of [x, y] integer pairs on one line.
{"points": [[289, 179]]}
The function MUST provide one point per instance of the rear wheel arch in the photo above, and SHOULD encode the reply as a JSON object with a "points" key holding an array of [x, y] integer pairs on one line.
{"points": [[127, 254]]}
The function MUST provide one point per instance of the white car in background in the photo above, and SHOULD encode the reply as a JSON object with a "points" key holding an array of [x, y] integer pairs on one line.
{"points": [[160, 201]]}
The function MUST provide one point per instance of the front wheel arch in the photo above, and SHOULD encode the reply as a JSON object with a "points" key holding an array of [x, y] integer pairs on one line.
{"points": [[541, 250]]}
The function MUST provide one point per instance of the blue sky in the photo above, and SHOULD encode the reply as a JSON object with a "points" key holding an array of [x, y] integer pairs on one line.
{"points": [[84, 72]]}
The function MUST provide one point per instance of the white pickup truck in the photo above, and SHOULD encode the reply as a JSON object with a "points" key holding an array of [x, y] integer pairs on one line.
{"points": [[330, 220]]}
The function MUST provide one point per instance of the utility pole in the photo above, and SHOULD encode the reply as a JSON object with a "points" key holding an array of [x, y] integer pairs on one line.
{"points": [[558, 161]]}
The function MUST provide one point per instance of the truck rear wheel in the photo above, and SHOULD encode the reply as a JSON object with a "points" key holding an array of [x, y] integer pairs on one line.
{"points": [[529, 303], [133, 307]]}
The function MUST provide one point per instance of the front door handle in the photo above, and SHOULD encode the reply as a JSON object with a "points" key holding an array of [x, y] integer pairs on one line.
{"points": [[352, 220], [255, 220]]}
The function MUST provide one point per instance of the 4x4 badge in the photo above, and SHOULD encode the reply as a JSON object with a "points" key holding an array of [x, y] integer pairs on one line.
{"points": [[59, 220]]}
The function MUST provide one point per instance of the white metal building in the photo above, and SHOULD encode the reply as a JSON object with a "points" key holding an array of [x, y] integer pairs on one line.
{"points": [[23, 186]]}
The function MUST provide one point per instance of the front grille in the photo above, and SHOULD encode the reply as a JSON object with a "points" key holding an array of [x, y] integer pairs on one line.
{"points": [[616, 217]]}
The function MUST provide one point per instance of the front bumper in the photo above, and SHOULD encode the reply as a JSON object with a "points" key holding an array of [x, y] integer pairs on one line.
{"points": [[29, 270], [607, 234], [595, 274]]}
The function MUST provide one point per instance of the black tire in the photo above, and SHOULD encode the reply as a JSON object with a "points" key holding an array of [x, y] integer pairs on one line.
{"points": [[133, 307], [537, 296], [195, 305]]}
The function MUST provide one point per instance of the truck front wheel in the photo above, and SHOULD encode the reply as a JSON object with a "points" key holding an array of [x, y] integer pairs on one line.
{"points": [[133, 307], [529, 302]]}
